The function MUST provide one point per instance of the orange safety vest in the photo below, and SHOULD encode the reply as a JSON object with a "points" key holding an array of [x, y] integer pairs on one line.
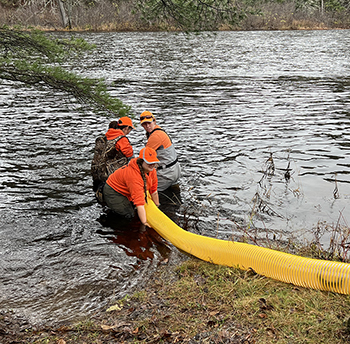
{"points": [[158, 138]]}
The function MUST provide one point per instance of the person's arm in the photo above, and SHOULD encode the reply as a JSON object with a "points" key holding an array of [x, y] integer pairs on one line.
{"points": [[141, 212], [155, 198], [125, 147]]}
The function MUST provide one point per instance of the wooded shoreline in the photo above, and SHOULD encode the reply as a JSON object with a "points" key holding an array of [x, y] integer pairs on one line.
{"points": [[106, 16]]}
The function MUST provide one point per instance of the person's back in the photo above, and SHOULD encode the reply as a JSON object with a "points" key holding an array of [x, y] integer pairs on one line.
{"points": [[127, 188], [112, 151]]}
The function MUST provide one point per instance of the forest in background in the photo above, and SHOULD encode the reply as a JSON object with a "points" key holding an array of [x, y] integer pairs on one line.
{"points": [[154, 15]]}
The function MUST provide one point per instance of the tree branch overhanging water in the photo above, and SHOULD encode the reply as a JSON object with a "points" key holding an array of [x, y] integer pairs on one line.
{"points": [[34, 59]]}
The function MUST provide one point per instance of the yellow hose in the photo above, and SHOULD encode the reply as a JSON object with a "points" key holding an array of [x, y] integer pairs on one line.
{"points": [[300, 271]]}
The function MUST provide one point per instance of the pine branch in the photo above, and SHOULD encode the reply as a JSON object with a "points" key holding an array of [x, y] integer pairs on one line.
{"points": [[36, 60]]}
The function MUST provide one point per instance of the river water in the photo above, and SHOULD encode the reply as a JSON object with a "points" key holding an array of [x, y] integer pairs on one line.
{"points": [[242, 108]]}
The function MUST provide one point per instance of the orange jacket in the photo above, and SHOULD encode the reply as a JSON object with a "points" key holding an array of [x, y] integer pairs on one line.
{"points": [[123, 145], [128, 181], [158, 138]]}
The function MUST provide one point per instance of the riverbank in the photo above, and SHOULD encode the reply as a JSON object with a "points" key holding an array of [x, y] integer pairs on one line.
{"points": [[106, 16], [294, 25], [198, 302]]}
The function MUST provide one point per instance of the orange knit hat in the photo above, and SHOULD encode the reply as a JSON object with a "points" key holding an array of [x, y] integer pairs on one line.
{"points": [[148, 155]]}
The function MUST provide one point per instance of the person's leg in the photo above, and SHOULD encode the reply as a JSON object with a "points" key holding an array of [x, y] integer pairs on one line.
{"points": [[118, 202], [164, 180], [168, 177]]}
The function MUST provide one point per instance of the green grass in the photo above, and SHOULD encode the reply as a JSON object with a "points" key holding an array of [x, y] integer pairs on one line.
{"points": [[205, 303], [232, 301]]}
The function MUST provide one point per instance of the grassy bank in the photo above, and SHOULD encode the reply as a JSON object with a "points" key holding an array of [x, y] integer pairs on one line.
{"points": [[198, 302]]}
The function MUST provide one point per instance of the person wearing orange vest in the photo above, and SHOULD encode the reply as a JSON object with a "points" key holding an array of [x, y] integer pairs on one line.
{"points": [[112, 151], [121, 128], [127, 187], [169, 170]]}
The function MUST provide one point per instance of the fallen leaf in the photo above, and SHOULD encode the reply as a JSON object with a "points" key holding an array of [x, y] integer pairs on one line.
{"points": [[114, 308], [124, 324], [63, 329]]}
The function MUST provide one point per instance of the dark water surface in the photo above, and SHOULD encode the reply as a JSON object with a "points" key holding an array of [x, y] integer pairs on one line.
{"points": [[230, 102]]}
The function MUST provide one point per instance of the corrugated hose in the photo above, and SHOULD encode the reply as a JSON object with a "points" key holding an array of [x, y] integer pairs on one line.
{"points": [[285, 267]]}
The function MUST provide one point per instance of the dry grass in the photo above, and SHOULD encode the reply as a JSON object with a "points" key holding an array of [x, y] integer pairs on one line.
{"points": [[107, 16]]}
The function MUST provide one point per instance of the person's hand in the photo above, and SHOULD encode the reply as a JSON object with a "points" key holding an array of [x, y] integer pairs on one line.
{"points": [[146, 224]]}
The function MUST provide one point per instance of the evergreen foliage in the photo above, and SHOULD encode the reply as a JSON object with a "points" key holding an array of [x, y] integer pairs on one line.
{"points": [[36, 59], [208, 15], [194, 15]]}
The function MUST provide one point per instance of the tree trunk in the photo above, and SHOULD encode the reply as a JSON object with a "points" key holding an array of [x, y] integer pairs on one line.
{"points": [[65, 18]]}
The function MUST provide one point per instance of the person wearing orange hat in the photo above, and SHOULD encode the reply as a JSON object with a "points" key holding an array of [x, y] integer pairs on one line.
{"points": [[169, 170], [127, 187], [112, 150], [121, 128]]}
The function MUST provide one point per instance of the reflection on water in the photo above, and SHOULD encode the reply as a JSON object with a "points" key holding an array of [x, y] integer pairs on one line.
{"points": [[261, 124], [134, 238]]}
